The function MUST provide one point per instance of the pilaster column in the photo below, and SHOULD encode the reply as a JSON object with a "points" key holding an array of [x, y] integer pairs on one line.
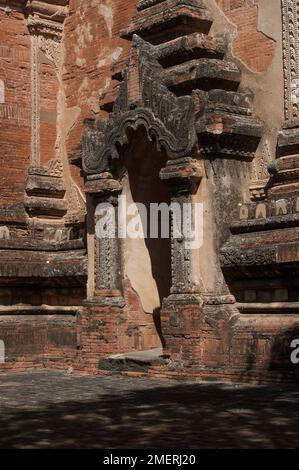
{"points": [[181, 255], [45, 26], [181, 313], [104, 306], [285, 169], [105, 264], [45, 187], [182, 176]]}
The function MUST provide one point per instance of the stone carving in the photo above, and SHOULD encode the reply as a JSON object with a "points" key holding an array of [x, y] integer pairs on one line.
{"points": [[235, 257], [290, 42], [35, 125], [4, 233], [281, 207], [45, 36], [260, 164], [180, 255], [258, 192], [261, 211], [52, 49], [39, 26], [219, 299], [77, 205], [54, 168], [259, 173], [168, 120], [220, 168], [107, 262]]}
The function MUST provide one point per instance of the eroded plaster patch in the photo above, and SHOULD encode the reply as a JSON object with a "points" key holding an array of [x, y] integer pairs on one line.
{"points": [[2, 92], [71, 117], [106, 11], [107, 57], [254, 40]]}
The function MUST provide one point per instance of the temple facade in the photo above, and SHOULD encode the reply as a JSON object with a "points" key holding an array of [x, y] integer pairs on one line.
{"points": [[147, 104]]}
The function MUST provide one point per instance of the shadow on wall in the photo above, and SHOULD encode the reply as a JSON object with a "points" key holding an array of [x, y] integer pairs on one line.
{"points": [[144, 163], [281, 353], [278, 363], [158, 326]]}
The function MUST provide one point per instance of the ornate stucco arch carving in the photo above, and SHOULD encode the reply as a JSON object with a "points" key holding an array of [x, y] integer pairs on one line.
{"points": [[145, 101]]}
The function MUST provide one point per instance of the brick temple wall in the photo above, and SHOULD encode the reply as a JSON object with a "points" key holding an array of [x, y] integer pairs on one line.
{"points": [[34, 335], [38, 341], [15, 106], [108, 330], [91, 46], [250, 45]]}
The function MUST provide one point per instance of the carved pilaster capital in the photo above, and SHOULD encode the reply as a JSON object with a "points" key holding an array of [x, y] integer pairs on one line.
{"points": [[38, 26], [173, 300], [102, 185], [186, 172], [46, 19]]}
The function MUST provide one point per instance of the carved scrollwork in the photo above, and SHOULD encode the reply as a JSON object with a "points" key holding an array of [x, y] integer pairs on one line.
{"points": [[235, 257], [143, 4], [169, 120], [52, 49], [290, 30], [54, 169], [39, 26]]}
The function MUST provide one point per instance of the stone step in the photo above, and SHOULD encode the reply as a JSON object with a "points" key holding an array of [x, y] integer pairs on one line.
{"points": [[139, 361]]}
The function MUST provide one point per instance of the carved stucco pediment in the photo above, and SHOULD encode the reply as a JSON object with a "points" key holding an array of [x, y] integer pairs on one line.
{"points": [[145, 101]]}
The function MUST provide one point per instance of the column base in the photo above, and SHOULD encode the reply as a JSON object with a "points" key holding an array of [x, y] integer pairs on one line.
{"points": [[196, 334], [98, 331]]}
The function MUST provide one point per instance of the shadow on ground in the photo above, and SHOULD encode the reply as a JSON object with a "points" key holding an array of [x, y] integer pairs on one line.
{"points": [[56, 411]]}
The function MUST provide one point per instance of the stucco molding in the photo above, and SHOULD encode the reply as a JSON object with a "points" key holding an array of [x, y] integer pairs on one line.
{"points": [[145, 101], [290, 46]]}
